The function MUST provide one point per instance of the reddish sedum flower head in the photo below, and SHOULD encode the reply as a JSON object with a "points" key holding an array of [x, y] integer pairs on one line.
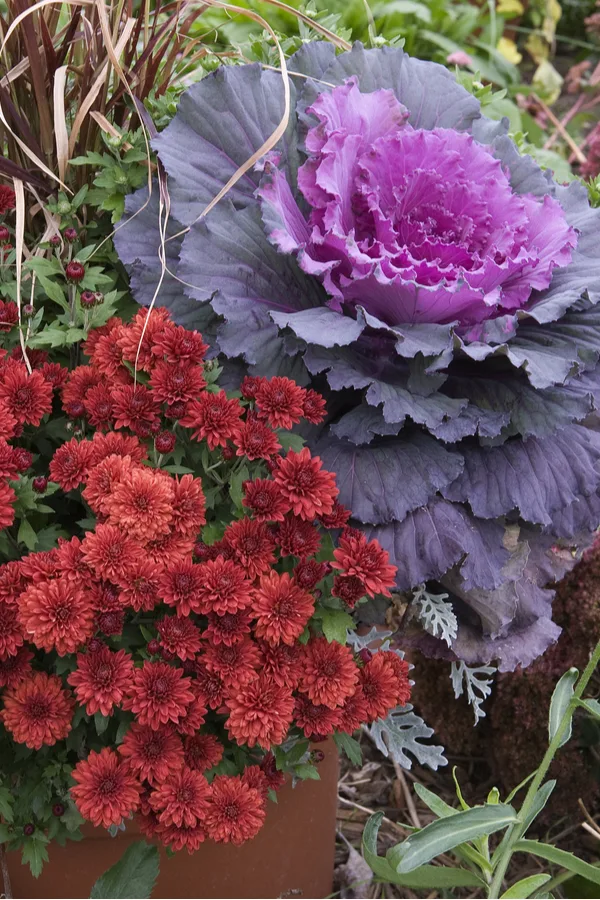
{"points": [[224, 587], [367, 561], [282, 609], [213, 418], [329, 673], [182, 799], [152, 753], [37, 711], [101, 679], [106, 791], [141, 503], [236, 812], [309, 489], [56, 615], [256, 440], [264, 498], [70, 464], [260, 713], [27, 397], [202, 752], [158, 694], [180, 636], [109, 552], [280, 401]]}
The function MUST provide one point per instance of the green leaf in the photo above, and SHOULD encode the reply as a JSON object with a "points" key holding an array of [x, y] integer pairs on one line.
{"points": [[306, 771], [423, 878], [335, 624], [290, 441], [6, 834], [525, 887], [433, 802], [445, 834], [539, 802], [236, 491], [6, 801], [561, 698], [349, 746], [101, 722], [35, 854], [560, 858], [591, 706], [27, 535], [133, 876]]}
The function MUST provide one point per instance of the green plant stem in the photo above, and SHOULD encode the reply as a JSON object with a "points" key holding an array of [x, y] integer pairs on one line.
{"points": [[517, 830]]}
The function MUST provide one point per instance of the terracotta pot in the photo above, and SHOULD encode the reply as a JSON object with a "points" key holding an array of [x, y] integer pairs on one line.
{"points": [[291, 857]]}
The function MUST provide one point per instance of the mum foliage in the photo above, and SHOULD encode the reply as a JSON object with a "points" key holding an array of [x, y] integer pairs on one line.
{"points": [[178, 648], [398, 253]]}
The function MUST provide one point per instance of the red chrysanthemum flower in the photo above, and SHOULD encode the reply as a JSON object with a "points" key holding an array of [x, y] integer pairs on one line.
{"points": [[252, 545], [106, 792], [309, 572], [152, 753], [98, 406], [210, 687], [185, 836], [11, 632], [135, 407], [282, 609], [78, 383], [110, 552], [7, 499], [107, 355], [316, 720], [57, 615], [12, 581], [103, 478], [181, 586], [260, 713], [180, 636], [229, 628], [9, 317], [8, 422], [96, 333], [170, 549], [236, 812], [263, 497], [141, 503], [54, 374], [250, 385], [176, 343], [40, 566], [255, 778], [158, 694], [348, 588], [196, 712], [224, 587], [182, 799], [37, 711], [138, 339], [314, 407], [7, 199], [329, 673], [280, 401], [8, 465], [189, 506], [381, 685], [70, 464], [337, 518], [309, 488], [180, 382], [282, 663], [15, 669], [353, 713], [113, 444], [236, 664], [140, 587], [101, 679], [28, 397], [296, 537], [367, 561], [214, 418], [202, 752], [256, 440], [71, 562]]}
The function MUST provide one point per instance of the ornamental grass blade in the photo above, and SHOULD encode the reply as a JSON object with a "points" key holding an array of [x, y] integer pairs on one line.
{"points": [[563, 693], [447, 833]]}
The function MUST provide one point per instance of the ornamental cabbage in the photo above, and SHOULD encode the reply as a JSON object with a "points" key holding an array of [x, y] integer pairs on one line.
{"points": [[398, 253]]}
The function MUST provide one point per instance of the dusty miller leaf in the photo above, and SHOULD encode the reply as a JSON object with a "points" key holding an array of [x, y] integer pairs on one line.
{"points": [[436, 616], [400, 733], [477, 686]]}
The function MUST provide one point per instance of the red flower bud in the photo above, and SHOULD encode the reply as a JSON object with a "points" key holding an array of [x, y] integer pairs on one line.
{"points": [[4, 233], [87, 299], [39, 484], [58, 810], [164, 442], [28, 829], [75, 271], [70, 234], [153, 647]]}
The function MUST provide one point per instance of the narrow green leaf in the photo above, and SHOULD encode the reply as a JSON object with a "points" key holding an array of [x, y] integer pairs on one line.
{"points": [[349, 746], [563, 693], [433, 802], [447, 833], [539, 802], [591, 706], [525, 887], [134, 876], [560, 858]]}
